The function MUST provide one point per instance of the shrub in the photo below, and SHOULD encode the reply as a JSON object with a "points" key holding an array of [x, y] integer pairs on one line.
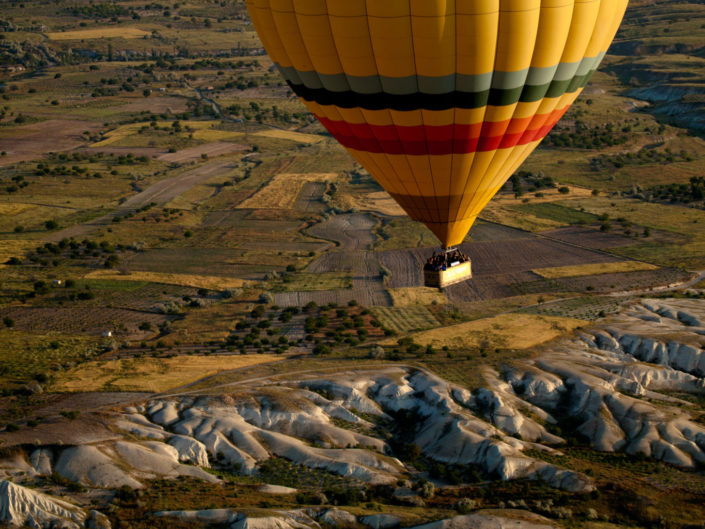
{"points": [[427, 489], [266, 297], [321, 349], [465, 505]]}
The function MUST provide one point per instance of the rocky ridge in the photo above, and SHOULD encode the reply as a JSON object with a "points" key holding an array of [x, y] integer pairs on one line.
{"points": [[622, 386], [23, 507], [310, 518]]}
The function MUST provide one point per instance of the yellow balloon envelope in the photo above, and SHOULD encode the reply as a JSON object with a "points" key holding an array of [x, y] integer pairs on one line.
{"points": [[440, 100]]}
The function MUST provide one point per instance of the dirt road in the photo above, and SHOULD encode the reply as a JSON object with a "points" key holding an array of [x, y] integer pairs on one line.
{"points": [[159, 193], [353, 233]]}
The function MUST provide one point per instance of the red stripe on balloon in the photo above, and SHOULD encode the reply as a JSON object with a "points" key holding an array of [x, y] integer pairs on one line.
{"points": [[445, 139]]}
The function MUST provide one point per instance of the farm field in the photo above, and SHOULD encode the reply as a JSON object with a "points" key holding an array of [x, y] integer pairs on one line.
{"points": [[98, 33], [404, 319], [151, 374], [592, 269], [186, 280], [283, 190], [513, 331]]}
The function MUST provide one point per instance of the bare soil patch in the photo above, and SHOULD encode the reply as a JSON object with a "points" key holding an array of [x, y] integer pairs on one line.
{"points": [[310, 197], [28, 142]]}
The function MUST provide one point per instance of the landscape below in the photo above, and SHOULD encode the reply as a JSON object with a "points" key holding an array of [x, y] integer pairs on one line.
{"points": [[212, 316]]}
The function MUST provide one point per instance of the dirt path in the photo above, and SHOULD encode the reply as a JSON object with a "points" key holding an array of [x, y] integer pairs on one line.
{"points": [[353, 233], [159, 193]]}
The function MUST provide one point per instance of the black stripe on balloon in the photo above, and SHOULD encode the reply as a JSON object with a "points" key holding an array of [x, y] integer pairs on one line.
{"points": [[455, 99]]}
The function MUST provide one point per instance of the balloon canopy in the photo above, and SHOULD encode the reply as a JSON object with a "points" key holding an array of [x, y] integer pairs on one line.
{"points": [[440, 100]]}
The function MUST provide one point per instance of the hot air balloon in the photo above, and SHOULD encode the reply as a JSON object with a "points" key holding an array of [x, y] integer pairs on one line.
{"points": [[440, 100]]}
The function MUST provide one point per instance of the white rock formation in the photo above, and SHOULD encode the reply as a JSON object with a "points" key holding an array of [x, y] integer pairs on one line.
{"points": [[296, 422], [211, 516], [612, 384], [380, 521], [88, 465], [609, 381], [489, 520], [20, 506], [40, 460], [190, 450], [277, 489], [337, 518], [227, 517], [113, 465], [283, 521]]}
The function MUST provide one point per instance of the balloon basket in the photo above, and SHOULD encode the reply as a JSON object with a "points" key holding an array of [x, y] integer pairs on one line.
{"points": [[447, 268]]}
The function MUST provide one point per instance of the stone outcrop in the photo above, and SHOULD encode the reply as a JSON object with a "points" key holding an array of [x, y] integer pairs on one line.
{"points": [[23, 507]]}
